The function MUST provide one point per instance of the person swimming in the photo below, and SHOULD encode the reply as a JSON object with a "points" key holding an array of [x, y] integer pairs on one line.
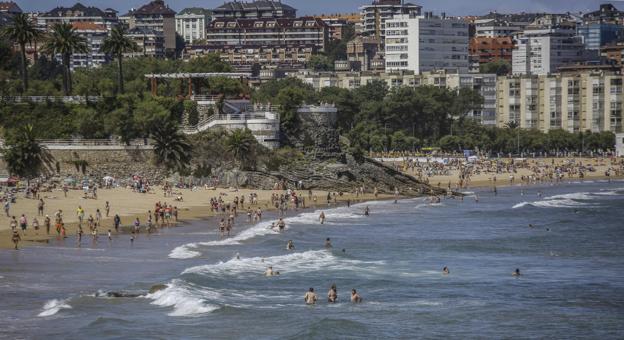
{"points": [[516, 272], [328, 243], [355, 297], [269, 271], [445, 271], [310, 297], [290, 245], [332, 295]]}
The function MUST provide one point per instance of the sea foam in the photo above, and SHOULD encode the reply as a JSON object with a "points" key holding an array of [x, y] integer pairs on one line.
{"points": [[54, 306]]}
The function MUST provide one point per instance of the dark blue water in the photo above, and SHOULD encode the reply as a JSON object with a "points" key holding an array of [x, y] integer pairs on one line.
{"points": [[572, 285]]}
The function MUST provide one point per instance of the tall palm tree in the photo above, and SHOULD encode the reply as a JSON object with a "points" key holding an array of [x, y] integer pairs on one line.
{"points": [[171, 148], [24, 156], [116, 45], [240, 143], [65, 41], [22, 31]]}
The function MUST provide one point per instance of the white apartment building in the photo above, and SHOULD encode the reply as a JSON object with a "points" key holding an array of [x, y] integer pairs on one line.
{"points": [[426, 43], [94, 35], [574, 101], [191, 24], [374, 16], [541, 51], [492, 28]]}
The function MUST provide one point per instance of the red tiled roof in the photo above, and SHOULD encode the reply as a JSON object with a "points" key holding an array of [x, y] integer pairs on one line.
{"points": [[88, 26]]}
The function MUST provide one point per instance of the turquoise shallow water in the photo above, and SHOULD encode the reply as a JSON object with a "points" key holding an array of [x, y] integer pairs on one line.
{"points": [[572, 284]]}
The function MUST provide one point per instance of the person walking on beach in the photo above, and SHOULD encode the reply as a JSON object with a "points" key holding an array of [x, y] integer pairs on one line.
{"points": [[46, 223], [116, 222], [16, 238], [80, 213], [107, 208], [322, 217], [310, 297], [355, 297], [23, 223], [13, 223], [40, 207], [7, 207], [332, 295]]}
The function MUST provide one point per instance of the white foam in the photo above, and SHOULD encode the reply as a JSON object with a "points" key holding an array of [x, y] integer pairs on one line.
{"points": [[573, 196], [559, 203], [54, 306], [308, 261], [184, 300], [520, 205], [184, 252]]}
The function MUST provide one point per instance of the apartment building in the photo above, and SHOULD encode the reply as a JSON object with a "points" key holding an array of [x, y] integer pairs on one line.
{"points": [[76, 14], [576, 99], [485, 84], [545, 45], [154, 16], [261, 9], [9, 7], [374, 16], [94, 35], [363, 52], [191, 24], [494, 28], [488, 49], [150, 43], [602, 27], [426, 43]]}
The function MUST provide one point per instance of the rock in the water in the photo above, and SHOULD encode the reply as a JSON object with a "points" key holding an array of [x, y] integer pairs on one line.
{"points": [[156, 288]]}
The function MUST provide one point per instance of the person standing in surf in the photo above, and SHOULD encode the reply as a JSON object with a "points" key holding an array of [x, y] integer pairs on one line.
{"points": [[332, 295], [322, 217], [310, 297]]}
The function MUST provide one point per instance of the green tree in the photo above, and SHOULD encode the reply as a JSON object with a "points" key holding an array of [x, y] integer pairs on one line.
{"points": [[319, 62], [24, 156], [22, 31], [116, 44], [241, 144], [499, 67], [171, 148], [64, 40]]}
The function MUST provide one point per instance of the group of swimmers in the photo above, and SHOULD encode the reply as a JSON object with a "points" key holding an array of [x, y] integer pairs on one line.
{"points": [[310, 297]]}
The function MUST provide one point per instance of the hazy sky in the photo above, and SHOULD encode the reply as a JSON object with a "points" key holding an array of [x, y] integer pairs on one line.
{"points": [[451, 7]]}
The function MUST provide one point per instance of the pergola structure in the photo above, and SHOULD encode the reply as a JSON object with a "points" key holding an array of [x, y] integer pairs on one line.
{"points": [[190, 76]]}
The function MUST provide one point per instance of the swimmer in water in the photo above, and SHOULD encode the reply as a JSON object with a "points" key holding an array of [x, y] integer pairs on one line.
{"points": [[281, 224], [332, 295], [355, 297], [269, 271], [445, 271], [290, 245], [328, 243], [237, 256], [366, 211], [322, 217], [310, 297], [516, 272], [530, 225]]}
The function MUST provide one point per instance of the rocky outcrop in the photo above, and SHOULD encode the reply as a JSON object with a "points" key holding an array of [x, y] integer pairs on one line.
{"points": [[344, 174]]}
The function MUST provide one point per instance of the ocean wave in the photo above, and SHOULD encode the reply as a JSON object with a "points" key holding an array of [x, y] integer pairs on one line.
{"points": [[308, 261], [184, 252], [54, 306], [556, 203], [185, 300], [572, 196]]}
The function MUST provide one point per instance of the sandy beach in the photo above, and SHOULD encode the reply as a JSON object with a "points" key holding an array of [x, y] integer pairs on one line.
{"points": [[130, 205], [486, 177]]}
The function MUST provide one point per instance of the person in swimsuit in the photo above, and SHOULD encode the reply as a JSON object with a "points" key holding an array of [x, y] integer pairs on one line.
{"points": [[16, 238], [269, 272], [332, 295], [366, 211], [355, 297], [516, 272], [322, 217], [281, 224], [310, 297], [445, 271], [328, 243], [290, 245]]}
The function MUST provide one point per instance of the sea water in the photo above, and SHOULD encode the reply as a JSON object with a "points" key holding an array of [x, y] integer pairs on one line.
{"points": [[571, 260]]}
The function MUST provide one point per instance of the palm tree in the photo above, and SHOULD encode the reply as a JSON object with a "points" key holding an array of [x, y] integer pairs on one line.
{"points": [[116, 45], [22, 31], [240, 143], [24, 156], [171, 148], [65, 41]]}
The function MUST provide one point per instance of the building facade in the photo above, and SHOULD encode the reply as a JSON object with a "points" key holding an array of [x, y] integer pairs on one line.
{"points": [[150, 43], [426, 43], [494, 28], [260, 9], [374, 16], [362, 51], [484, 84], [154, 16], [578, 100], [488, 49], [9, 7], [596, 34], [94, 35], [76, 14], [541, 51], [613, 53], [191, 24]]}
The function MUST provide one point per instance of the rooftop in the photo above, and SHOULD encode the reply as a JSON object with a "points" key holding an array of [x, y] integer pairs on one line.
{"points": [[88, 26], [77, 10], [260, 5], [156, 7], [196, 11], [9, 7]]}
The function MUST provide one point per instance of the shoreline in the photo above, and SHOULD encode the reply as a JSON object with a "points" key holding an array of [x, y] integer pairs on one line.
{"points": [[188, 214]]}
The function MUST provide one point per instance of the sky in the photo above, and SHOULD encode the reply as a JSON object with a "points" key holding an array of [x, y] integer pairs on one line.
{"points": [[308, 7]]}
